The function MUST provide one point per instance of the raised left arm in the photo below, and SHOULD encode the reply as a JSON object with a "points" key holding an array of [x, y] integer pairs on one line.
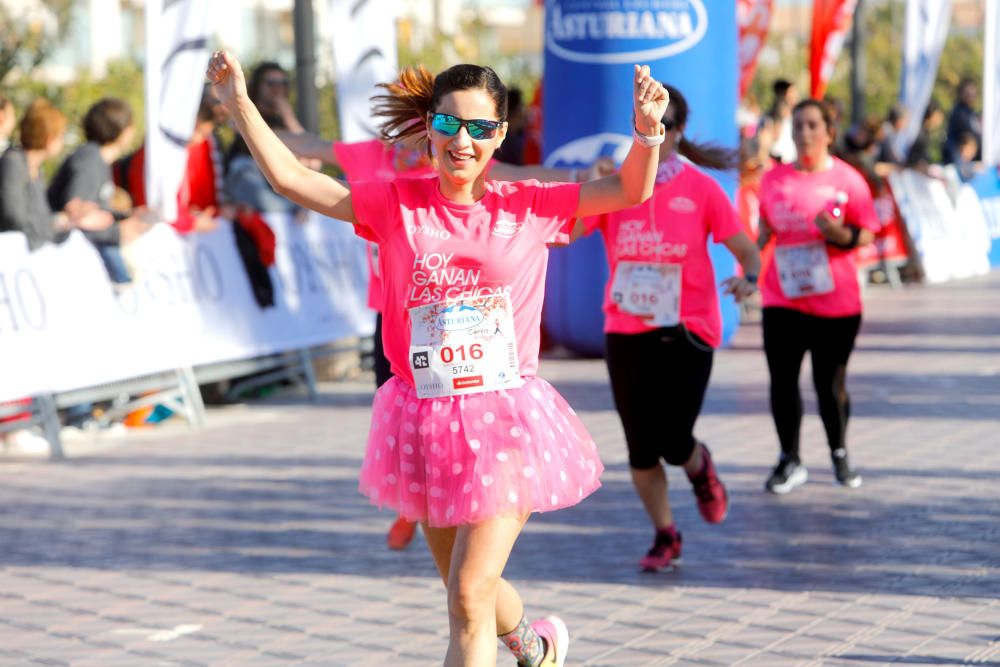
{"points": [[633, 184]]}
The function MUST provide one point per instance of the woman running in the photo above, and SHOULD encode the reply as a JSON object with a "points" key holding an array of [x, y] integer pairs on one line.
{"points": [[464, 437], [662, 322], [818, 210]]}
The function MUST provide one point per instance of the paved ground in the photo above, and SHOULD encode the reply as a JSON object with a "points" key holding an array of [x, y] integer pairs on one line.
{"points": [[246, 544]]}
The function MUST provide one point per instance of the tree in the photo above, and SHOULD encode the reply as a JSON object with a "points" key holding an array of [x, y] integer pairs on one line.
{"points": [[31, 33]]}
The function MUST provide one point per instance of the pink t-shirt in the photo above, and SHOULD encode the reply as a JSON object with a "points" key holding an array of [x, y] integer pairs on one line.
{"points": [[374, 161], [789, 201], [672, 227], [434, 250]]}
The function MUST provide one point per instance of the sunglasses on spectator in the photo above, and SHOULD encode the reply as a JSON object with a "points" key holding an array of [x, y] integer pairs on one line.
{"points": [[669, 124], [478, 128], [283, 83]]}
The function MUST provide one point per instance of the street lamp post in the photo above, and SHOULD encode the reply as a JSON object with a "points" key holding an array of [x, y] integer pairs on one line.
{"points": [[305, 65], [858, 65]]}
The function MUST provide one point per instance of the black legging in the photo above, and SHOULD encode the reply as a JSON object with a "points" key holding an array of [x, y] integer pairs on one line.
{"points": [[383, 370], [788, 334]]}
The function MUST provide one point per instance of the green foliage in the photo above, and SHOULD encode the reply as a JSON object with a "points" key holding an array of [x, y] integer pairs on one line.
{"points": [[28, 36], [962, 58]]}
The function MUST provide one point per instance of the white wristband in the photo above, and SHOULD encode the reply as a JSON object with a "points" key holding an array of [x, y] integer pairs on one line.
{"points": [[648, 141]]}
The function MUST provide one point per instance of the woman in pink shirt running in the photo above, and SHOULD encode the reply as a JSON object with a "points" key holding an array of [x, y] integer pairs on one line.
{"points": [[662, 320], [465, 438], [819, 210]]}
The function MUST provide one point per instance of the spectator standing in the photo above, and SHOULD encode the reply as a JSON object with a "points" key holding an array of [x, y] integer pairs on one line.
{"points": [[919, 154], [819, 210], [962, 120], [894, 123], [780, 119]]}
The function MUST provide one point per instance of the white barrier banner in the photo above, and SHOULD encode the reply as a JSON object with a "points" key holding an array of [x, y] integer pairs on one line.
{"points": [[364, 54], [950, 235], [63, 326]]}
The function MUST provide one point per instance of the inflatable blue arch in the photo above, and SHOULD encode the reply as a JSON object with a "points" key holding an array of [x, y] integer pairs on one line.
{"points": [[590, 49]]}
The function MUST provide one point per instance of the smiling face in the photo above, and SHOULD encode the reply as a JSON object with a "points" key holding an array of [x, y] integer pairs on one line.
{"points": [[460, 158], [811, 134]]}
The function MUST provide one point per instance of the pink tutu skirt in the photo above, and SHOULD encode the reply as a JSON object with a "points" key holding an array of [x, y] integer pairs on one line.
{"points": [[464, 459]]}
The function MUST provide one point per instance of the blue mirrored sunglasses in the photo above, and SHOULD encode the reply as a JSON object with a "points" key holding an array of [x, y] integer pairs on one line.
{"points": [[478, 128]]}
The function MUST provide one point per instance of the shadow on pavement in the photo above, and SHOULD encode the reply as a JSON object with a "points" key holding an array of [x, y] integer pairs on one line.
{"points": [[272, 515]]}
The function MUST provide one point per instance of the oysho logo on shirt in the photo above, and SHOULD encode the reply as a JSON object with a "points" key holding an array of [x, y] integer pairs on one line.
{"points": [[422, 230], [637, 30], [682, 205], [507, 229]]}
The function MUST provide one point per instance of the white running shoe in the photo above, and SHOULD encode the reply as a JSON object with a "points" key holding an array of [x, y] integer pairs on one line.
{"points": [[554, 631]]}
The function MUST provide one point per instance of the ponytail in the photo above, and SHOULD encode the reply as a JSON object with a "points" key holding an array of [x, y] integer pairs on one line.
{"points": [[709, 155], [404, 106], [703, 155]]}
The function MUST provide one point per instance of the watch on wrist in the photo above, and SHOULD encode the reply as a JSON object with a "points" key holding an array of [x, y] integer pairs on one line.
{"points": [[649, 141], [750, 278]]}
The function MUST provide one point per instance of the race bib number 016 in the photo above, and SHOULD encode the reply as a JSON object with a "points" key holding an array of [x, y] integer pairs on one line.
{"points": [[649, 290], [464, 347], [804, 269]]}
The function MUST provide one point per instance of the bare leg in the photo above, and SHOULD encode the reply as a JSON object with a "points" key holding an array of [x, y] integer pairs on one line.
{"points": [[651, 485], [470, 560]]}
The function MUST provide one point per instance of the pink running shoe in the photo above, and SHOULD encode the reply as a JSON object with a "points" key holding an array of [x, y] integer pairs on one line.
{"points": [[401, 534], [713, 501], [556, 636], [665, 553]]}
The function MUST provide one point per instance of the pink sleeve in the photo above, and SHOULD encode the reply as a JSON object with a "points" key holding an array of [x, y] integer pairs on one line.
{"points": [[593, 223], [860, 210], [722, 218], [376, 209], [553, 205], [358, 160]]}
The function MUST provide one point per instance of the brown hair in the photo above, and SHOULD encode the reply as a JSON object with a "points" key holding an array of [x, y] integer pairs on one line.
{"points": [[106, 120], [824, 111], [40, 123], [416, 93], [702, 154]]}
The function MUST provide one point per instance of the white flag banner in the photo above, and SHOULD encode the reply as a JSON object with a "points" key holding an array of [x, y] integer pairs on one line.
{"points": [[927, 24], [177, 52], [364, 53], [991, 85]]}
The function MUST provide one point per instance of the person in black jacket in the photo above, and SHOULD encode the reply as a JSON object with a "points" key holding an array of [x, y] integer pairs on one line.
{"points": [[86, 175], [962, 120]]}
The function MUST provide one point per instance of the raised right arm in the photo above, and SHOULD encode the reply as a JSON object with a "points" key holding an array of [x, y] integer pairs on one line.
{"points": [[282, 169]]}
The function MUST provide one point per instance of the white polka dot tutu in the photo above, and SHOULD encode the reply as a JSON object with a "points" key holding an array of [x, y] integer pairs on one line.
{"points": [[464, 459]]}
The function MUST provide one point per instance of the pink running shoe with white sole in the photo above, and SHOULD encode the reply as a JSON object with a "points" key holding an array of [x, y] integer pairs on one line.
{"points": [[556, 636]]}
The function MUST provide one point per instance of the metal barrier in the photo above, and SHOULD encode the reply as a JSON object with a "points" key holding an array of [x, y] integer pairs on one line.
{"points": [[178, 390]]}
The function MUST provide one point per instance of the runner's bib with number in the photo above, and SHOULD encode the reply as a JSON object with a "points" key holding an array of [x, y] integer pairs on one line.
{"points": [[464, 347], [650, 290], [804, 269]]}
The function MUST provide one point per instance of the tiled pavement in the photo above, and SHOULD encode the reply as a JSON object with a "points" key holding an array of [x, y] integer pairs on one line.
{"points": [[246, 544]]}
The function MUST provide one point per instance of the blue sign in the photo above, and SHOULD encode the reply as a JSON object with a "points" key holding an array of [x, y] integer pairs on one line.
{"points": [[590, 48], [987, 186]]}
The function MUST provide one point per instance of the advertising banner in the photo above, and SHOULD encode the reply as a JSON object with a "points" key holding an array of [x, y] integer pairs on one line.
{"points": [[177, 52], [987, 186], [949, 234], [753, 17], [364, 54], [598, 42], [830, 23], [189, 304], [927, 24]]}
